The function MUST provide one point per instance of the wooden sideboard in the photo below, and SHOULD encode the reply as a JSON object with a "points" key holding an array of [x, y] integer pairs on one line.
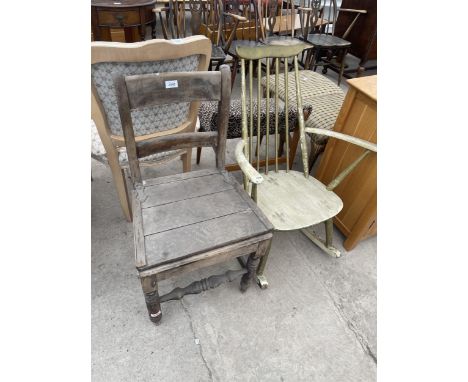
{"points": [[131, 16], [358, 117]]}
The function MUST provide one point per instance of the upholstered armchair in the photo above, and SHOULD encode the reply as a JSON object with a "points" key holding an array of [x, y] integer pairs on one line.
{"points": [[154, 56]]}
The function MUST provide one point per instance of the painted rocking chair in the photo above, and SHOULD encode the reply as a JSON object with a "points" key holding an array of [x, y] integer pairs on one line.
{"points": [[290, 199]]}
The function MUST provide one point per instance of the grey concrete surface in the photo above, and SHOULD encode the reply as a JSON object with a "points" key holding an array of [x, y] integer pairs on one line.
{"points": [[315, 322]]}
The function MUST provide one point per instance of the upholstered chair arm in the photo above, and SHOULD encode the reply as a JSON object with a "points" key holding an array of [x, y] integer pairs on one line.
{"points": [[252, 174]]}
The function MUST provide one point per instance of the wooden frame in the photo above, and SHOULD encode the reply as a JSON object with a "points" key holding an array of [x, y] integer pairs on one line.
{"points": [[153, 262], [153, 50]]}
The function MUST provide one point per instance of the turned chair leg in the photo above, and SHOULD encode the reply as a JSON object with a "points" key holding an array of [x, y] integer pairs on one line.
{"points": [[261, 279], [252, 264], [149, 284]]}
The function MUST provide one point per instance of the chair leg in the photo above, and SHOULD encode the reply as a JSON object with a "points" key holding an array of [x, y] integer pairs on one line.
{"points": [[315, 150], [118, 175], [149, 284], [255, 266], [342, 66], [327, 245], [235, 65], [282, 142], [199, 149], [187, 160], [293, 147]]}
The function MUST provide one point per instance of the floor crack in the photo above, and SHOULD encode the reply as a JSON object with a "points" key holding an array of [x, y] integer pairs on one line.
{"points": [[362, 341], [210, 373], [360, 338]]}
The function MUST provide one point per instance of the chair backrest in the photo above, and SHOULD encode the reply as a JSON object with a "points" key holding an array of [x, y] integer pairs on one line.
{"points": [[173, 18], [248, 29], [207, 19], [139, 92], [153, 56], [318, 16], [275, 57], [278, 17]]}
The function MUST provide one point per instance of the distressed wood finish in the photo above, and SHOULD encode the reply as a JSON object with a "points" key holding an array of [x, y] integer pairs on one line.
{"points": [[145, 90], [358, 118], [187, 221], [292, 201], [153, 50], [289, 199]]}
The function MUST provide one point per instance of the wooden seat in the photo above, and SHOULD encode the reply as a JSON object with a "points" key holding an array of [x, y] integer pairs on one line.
{"points": [[195, 212], [278, 195], [187, 221]]}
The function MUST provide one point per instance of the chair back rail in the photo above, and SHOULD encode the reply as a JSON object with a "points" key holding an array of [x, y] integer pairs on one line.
{"points": [[254, 56], [158, 89]]}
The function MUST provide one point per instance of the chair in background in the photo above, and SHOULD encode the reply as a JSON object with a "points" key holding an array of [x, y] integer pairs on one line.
{"points": [[154, 56], [317, 20], [184, 18], [270, 23], [290, 199], [187, 221]]}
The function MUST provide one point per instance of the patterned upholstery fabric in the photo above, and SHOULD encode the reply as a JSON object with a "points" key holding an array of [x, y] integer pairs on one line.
{"points": [[148, 120], [319, 92], [209, 113], [98, 151]]}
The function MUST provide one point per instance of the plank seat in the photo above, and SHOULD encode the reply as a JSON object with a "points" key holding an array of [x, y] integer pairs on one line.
{"points": [[195, 213]]}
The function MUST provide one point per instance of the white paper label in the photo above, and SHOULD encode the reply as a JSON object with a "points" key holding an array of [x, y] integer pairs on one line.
{"points": [[172, 84]]}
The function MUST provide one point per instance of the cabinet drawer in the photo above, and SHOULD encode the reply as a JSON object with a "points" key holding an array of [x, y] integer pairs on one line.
{"points": [[118, 18]]}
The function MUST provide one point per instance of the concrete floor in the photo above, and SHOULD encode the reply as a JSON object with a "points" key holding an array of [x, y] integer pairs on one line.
{"points": [[315, 322]]}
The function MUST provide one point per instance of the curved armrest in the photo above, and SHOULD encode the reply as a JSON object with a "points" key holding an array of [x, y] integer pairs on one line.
{"points": [[344, 137], [245, 166], [353, 10], [304, 9], [237, 17]]}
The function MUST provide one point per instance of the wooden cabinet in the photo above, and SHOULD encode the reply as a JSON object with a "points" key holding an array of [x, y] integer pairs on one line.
{"points": [[131, 16], [358, 117]]}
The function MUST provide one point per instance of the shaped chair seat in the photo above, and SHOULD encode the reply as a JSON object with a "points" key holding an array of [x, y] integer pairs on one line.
{"points": [[327, 41], [317, 204]]}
